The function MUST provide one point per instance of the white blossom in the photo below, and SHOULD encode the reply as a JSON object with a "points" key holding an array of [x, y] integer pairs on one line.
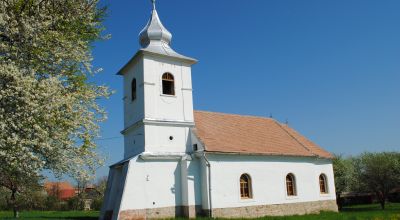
{"points": [[48, 111]]}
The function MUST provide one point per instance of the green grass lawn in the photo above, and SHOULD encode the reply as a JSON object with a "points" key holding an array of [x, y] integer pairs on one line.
{"points": [[48, 215], [371, 212]]}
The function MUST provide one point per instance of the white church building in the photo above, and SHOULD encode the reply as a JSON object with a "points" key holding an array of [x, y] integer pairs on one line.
{"points": [[182, 162]]}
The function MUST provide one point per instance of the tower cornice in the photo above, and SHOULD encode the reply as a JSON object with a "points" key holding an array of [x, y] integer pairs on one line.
{"points": [[147, 51]]}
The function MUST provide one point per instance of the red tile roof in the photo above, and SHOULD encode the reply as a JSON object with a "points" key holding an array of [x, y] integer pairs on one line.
{"points": [[229, 133], [62, 190]]}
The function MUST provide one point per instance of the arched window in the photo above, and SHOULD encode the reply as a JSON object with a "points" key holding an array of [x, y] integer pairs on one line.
{"points": [[133, 89], [245, 187], [290, 185], [168, 87], [323, 188]]}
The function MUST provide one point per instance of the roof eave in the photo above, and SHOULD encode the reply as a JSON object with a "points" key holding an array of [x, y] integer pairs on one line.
{"points": [[266, 154], [187, 60]]}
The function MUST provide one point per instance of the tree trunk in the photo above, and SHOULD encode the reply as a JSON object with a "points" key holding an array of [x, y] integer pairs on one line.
{"points": [[339, 201], [13, 202], [382, 204], [16, 213], [382, 198]]}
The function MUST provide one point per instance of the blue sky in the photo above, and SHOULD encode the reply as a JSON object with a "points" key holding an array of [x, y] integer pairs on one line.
{"points": [[331, 68]]}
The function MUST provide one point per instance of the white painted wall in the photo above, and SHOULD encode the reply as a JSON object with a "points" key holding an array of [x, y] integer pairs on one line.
{"points": [[157, 183], [194, 182], [205, 194], [268, 179], [178, 107], [134, 141], [133, 110], [152, 105], [114, 190], [158, 138]]}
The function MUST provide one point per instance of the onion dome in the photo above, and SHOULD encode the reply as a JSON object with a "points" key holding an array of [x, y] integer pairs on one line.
{"points": [[154, 31]]}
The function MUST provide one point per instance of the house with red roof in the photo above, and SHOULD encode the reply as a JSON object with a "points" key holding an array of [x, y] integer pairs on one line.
{"points": [[61, 190]]}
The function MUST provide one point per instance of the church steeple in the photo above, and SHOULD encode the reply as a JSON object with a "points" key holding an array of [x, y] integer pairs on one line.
{"points": [[158, 106], [155, 38], [154, 32]]}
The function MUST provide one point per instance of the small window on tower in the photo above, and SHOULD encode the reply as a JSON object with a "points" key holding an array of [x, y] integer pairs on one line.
{"points": [[133, 87], [168, 86]]}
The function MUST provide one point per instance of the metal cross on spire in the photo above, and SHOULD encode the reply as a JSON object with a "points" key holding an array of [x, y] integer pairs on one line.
{"points": [[154, 3]]}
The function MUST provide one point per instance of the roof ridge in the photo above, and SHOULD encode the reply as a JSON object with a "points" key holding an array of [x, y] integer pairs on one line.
{"points": [[235, 114], [292, 136]]}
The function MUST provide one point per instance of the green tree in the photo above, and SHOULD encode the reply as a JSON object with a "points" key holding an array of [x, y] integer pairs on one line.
{"points": [[22, 189], [52, 203], [75, 203], [345, 178], [380, 173], [343, 170], [48, 108], [100, 188]]}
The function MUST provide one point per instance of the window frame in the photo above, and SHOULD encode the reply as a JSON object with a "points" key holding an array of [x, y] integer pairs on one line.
{"points": [[245, 188], [169, 78], [293, 185], [325, 184], [133, 89]]}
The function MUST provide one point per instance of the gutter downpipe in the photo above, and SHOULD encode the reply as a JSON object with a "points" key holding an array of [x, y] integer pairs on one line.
{"points": [[209, 184]]}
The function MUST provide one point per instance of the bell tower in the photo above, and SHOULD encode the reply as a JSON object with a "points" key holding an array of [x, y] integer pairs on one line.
{"points": [[158, 105]]}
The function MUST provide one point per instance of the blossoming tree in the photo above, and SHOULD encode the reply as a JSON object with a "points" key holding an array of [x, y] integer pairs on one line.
{"points": [[48, 111]]}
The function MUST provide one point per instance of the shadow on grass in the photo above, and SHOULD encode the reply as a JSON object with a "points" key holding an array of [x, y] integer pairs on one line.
{"points": [[55, 217], [358, 209], [370, 207], [49, 215]]}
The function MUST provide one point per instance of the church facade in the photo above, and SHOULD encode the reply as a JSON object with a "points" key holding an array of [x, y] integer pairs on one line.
{"points": [[181, 162]]}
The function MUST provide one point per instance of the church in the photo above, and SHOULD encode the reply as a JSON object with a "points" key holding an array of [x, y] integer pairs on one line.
{"points": [[182, 162]]}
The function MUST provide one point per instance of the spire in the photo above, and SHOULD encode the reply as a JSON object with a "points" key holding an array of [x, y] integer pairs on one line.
{"points": [[156, 39], [154, 31]]}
